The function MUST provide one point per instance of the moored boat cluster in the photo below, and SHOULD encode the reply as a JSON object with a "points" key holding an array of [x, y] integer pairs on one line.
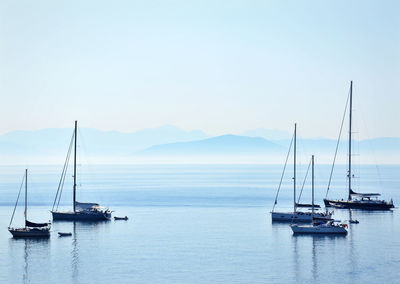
{"points": [[321, 222], [81, 211]]}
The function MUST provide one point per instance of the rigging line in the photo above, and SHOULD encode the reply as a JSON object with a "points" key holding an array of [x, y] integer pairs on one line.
{"points": [[88, 175], [337, 145], [283, 173], [61, 183], [357, 173], [85, 177], [302, 151], [16, 202], [82, 156], [63, 180], [304, 181], [371, 148], [62, 174]]}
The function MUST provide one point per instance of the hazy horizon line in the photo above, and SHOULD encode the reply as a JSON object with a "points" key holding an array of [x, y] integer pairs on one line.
{"points": [[194, 130]]}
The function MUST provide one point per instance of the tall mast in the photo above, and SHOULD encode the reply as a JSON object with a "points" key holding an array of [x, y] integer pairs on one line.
{"points": [[294, 170], [350, 122], [26, 195], [75, 134], [312, 185]]}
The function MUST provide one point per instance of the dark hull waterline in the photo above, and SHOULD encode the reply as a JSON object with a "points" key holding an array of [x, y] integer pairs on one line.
{"points": [[365, 205], [81, 216], [18, 233], [61, 234]]}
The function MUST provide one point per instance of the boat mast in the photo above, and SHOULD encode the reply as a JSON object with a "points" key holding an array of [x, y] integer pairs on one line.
{"points": [[294, 170], [350, 122], [312, 185], [75, 134], [26, 195]]}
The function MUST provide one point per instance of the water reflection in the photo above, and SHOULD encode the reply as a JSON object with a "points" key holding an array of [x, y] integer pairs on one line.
{"points": [[75, 255], [314, 260], [319, 237], [80, 228], [33, 248], [25, 275], [307, 250], [296, 260], [351, 235], [350, 214]]}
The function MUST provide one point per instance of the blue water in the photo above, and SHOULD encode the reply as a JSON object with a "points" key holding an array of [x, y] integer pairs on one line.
{"points": [[196, 224]]}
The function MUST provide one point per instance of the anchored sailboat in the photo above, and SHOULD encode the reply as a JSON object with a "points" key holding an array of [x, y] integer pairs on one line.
{"points": [[295, 216], [368, 201], [81, 211], [31, 229], [319, 225]]}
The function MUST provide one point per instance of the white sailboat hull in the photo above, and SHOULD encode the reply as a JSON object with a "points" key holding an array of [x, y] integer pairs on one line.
{"points": [[297, 216], [322, 229]]}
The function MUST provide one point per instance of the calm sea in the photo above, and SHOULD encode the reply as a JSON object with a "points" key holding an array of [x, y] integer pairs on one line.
{"points": [[196, 224]]}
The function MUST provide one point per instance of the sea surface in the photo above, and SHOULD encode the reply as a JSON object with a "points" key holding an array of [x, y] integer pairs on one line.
{"points": [[196, 224]]}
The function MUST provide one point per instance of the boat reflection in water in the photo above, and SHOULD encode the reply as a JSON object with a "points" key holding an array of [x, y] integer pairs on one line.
{"points": [[36, 252]]}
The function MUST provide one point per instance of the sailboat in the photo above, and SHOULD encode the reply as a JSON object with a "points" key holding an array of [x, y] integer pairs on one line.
{"points": [[31, 229], [295, 216], [318, 226], [368, 201], [80, 211]]}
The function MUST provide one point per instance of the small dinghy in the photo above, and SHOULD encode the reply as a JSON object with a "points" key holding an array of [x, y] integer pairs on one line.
{"points": [[121, 218], [61, 234], [351, 220]]}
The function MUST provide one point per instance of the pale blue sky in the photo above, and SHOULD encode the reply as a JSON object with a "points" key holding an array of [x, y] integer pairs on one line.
{"points": [[218, 66]]}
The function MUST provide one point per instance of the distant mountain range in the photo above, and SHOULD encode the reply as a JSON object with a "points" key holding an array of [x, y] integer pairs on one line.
{"points": [[267, 134], [170, 144], [221, 145], [260, 150], [52, 144]]}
